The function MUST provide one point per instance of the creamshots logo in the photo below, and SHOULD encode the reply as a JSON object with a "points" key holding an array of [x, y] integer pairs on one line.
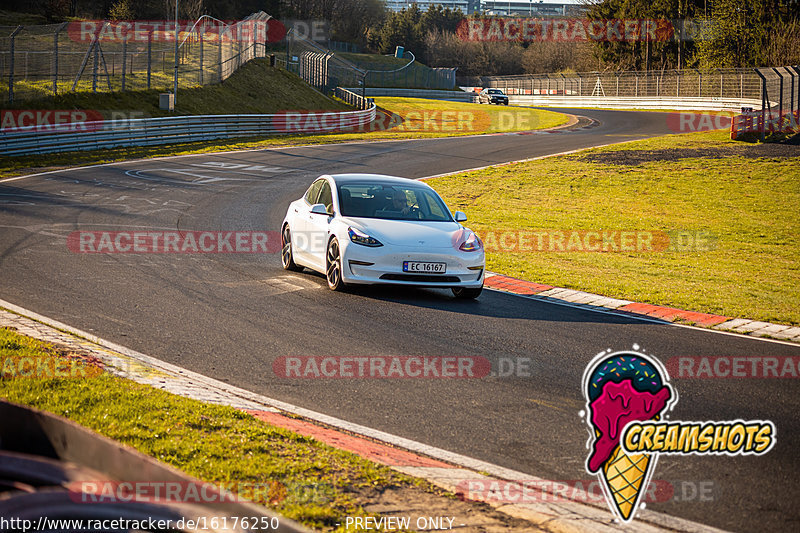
{"points": [[628, 400]]}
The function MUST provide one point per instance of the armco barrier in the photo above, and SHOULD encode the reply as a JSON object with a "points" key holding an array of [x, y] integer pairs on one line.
{"points": [[686, 103], [155, 131], [432, 94]]}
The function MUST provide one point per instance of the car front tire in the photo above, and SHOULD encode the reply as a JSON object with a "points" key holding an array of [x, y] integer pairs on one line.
{"points": [[465, 293], [333, 266], [287, 257]]}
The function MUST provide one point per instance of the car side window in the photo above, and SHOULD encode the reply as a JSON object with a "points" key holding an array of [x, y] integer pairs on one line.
{"points": [[325, 196], [313, 192]]}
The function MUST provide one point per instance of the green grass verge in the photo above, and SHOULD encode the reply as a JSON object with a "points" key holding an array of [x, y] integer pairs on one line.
{"points": [[485, 119], [746, 196], [216, 444], [253, 88]]}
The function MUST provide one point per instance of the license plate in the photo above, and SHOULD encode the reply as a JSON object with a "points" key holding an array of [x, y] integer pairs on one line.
{"points": [[427, 268]]}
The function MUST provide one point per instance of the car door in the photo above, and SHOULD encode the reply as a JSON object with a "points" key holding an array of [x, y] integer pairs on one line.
{"points": [[318, 227], [301, 211]]}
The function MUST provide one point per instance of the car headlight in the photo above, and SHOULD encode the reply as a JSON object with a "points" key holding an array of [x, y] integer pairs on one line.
{"points": [[472, 243], [362, 238]]}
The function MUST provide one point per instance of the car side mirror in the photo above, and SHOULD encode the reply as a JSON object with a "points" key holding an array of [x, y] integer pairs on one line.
{"points": [[319, 209], [460, 216]]}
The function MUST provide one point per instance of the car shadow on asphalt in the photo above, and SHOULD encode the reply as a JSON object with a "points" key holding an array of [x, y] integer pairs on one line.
{"points": [[493, 304]]}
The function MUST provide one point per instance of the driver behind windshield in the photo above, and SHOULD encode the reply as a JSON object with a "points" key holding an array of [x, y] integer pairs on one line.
{"points": [[399, 204]]}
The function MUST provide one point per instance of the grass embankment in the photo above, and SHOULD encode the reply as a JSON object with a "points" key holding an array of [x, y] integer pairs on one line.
{"points": [[308, 481], [413, 118], [745, 196], [253, 88]]}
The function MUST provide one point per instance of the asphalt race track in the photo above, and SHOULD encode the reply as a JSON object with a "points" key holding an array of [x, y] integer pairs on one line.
{"points": [[230, 315]]}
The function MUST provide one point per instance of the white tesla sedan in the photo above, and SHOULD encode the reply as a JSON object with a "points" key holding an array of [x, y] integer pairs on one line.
{"points": [[368, 228]]}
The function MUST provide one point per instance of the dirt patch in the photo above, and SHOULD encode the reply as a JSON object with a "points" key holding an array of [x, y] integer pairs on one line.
{"points": [[750, 151]]}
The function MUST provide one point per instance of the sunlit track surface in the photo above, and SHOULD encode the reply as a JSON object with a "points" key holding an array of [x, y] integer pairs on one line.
{"points": [[230, 316]]}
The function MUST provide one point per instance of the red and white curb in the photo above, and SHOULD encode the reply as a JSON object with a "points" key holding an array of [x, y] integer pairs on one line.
{"points": [[660, 313], [440, 467]]}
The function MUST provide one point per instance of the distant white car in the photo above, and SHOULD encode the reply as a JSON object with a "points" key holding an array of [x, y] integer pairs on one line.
{"points": [[493, 96], [370, 229]]}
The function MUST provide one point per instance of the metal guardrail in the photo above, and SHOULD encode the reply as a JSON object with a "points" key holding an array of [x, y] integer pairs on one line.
{"points": [[166, 130], [349, 96], [433, 94], [686, 103]]}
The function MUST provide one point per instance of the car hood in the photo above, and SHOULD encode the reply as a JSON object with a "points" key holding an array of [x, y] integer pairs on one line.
{"points": [[408, 232]]}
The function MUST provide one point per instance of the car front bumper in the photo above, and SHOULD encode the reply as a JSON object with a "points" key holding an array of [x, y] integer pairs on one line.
{"points": [[384, 265]]}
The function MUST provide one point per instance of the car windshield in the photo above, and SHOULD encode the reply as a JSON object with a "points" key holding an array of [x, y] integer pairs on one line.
{"points": [[495, 91], [397, 202]]}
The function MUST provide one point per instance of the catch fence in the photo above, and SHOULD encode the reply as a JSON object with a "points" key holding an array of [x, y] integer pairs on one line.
{"points": [[105, 56]]}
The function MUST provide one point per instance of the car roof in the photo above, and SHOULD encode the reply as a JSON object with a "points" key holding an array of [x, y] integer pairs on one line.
{"points": [[381, 179]]}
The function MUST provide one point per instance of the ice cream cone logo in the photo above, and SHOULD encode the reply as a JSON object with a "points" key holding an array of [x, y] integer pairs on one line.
{"points": [[621, 388]]}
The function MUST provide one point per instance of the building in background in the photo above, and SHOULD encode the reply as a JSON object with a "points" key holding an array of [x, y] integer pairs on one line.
{"points": [[466, 6], [532, 8]]}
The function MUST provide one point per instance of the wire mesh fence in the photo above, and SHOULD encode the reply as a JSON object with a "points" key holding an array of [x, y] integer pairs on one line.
{"points": [[691, 83], [41, 61], [326, 69]]}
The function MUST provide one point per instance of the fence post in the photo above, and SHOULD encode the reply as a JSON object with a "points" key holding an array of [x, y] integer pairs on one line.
{"points": [[797, 71], [55, 57], [219, 55], [780, 99], [124, 57], [95, 64], [11, 65], [763, 102], [149, 56], [202, 32], [699, 84]]}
